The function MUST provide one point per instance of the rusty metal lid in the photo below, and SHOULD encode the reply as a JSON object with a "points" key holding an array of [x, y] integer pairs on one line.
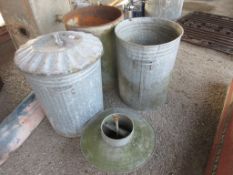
{"points": [[59, 53], [124, 151]]}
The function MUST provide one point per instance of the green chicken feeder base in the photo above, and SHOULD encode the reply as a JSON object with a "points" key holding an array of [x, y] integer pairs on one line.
{"points": [[118, 154]]}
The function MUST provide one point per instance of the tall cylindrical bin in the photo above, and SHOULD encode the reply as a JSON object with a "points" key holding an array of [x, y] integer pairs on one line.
{"points": [[99, 20], [168, 9], [147, 49], [64, 71]]}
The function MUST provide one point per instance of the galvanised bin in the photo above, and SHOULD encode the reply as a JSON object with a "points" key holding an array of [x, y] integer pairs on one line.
{"points": [[147, 49], [99, 20], [64, 71], [168, 9]]}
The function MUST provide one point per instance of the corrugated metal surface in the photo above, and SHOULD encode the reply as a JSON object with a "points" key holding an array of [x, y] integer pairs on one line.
{"points": [[70, 101], [147, 50], [65, 73], [59, 53]]}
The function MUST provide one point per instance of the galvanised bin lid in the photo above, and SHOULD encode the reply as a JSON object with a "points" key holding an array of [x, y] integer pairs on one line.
{"points": [[59, 53], [118, 154]]}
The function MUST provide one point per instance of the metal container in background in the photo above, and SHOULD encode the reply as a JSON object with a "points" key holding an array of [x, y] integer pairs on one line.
{"points": [[64, 71], [99, 20], [146, 49], [168, 9], [27, 19]]}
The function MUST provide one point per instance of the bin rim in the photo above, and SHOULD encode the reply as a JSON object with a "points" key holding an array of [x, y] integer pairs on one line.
{"points": [[147, 19]]}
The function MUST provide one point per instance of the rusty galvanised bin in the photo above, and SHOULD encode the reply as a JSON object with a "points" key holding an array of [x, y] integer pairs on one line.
{"points": [[147, 49], [168, 9], [64, 71], [99, 20]]}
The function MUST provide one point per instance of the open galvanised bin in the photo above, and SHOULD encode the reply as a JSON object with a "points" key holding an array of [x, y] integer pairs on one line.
{"points": [[64, 71], [146, 49]]}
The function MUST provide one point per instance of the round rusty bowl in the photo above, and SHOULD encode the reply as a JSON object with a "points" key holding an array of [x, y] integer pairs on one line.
{"points": [[92, 16], [100, 21]]}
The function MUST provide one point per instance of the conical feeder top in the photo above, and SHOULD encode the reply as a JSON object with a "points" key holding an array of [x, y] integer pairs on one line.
{"points": [[117, 140]]}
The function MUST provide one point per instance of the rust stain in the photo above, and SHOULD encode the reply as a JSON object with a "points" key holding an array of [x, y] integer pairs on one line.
{"points": [[92, 16], [88, 21], [23, 120]]}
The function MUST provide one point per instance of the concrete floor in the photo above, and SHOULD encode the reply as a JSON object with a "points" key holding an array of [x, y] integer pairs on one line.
{"points": [[184, 127]]}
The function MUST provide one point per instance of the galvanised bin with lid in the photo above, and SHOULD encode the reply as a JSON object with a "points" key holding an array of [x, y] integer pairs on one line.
{"points": [[64, 71], [146, 49]]}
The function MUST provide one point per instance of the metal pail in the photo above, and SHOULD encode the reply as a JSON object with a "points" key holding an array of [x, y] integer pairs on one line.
{"points": [[146, 49]]}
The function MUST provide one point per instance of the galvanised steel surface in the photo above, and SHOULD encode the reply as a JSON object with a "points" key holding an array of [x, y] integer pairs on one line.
{"points": [[19, 125], [117, 129], [110, 157], [65, 73], [99, 20], [168, 9], [147, 49]]}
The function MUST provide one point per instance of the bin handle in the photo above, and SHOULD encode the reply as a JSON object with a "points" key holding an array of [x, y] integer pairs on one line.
{"points": [[58, 39]]}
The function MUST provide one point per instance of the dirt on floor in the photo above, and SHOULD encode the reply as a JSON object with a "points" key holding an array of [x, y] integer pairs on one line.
{"points": [[184, 127]]}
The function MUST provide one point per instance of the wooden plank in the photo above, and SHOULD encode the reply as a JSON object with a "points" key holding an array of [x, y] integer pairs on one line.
{"points": [[221, 156]]}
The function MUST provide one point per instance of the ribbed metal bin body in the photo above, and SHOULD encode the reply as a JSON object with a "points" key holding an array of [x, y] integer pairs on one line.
{"points": [[144, 69], [168, 9], [64, 71], [106, 34], [70, 101]]}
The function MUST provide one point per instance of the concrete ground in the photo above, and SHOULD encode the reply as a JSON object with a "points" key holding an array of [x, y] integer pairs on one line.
{"points": [[184, 127]]}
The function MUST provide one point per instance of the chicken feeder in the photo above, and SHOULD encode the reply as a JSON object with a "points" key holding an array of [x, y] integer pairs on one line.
{"points": [[64, 71], [99, 20], [146, 49], [168, 9], [123, 140]]}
